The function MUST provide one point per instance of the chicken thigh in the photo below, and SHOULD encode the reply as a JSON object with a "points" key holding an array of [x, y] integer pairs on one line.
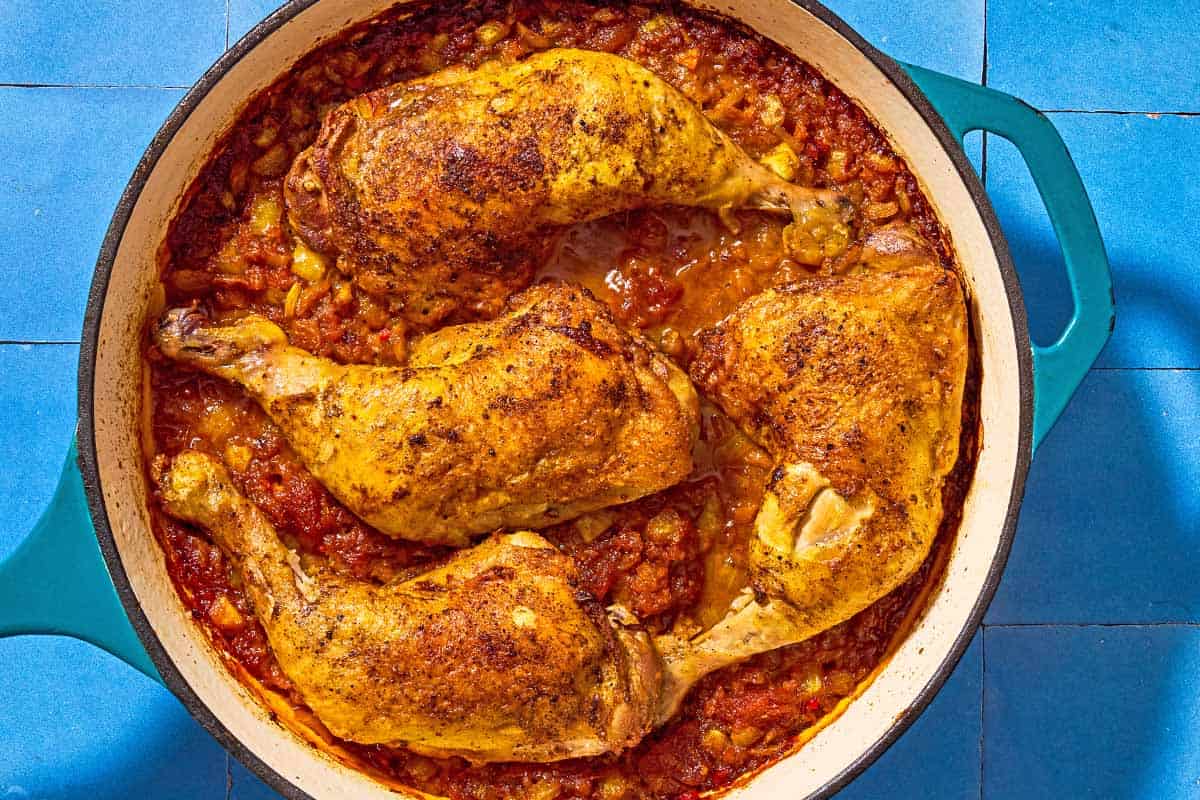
{"points": [[454, 183], [536, 417]]}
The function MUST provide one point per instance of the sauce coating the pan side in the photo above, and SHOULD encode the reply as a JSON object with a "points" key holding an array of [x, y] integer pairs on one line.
{"points": [[675, 557]]}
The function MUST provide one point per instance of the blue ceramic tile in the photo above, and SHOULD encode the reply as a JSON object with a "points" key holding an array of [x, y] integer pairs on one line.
{"points": [[1109, 528], [1031, 240], [939, 755], [973, 144], [945, 35], [1092, 712], [37, 409], [245, 785], [77, 724], [62, 169], [109, 42], [1144, 183], [245, 14], [1081, 55]]}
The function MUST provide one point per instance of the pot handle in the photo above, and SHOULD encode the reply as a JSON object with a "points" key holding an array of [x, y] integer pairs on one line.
{"points": [[1057, 368], [56, 581]]}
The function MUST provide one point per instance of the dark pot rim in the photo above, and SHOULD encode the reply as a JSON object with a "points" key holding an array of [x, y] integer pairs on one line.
{"points": [[89, 463]]}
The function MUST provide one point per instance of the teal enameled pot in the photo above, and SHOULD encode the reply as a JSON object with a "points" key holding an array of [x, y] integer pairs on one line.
{"points": [[92, 569]]}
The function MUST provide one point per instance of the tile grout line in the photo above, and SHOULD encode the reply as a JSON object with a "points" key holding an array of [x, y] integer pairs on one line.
{"points": [[1146, 369], [227, 5], [182, 87], [984, 76], [91, 86], [228, 777], [982, 699], [49, 342], [1121, 112], [1019, 625], [76, 342], [983, 157]]}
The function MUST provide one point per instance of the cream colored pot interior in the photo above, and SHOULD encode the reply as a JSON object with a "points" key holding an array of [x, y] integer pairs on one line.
{"points": [[134, 285]]}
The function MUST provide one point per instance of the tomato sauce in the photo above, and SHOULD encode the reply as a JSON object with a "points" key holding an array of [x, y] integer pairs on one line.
{"points": [[676, 558]]}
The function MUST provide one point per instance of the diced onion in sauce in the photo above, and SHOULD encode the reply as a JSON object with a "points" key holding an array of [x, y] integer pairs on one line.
{"points": [[265, 214], [783, 161], [225, 615], [491, 32], [882, 211], [837, 165], [308, 264], [289, 303]]}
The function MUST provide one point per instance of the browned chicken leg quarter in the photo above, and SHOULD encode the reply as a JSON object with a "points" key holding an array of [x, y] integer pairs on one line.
{"points": [[495, 656], [855, 386], [456, 181], [536, 417]]}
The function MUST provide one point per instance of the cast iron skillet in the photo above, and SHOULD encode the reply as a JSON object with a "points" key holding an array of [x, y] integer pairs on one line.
{"points": [[63, 580]]}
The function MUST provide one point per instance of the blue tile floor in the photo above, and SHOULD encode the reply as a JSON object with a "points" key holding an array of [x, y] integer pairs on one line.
{"points": [[1084, 681]]}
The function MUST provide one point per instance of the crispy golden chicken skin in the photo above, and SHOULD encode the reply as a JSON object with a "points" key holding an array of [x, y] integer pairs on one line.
{"points": [[448, 188], [533, 418], [860, 376], [855, 386], [495, 656]]}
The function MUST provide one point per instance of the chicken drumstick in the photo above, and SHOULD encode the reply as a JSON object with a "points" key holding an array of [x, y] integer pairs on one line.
{"points": [[533, 418], [452, 185]]}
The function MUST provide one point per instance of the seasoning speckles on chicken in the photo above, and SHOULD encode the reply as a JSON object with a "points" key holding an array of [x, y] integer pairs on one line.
{"points": [[854, 385], [533, 418], [495, 656], [454, 184]]}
